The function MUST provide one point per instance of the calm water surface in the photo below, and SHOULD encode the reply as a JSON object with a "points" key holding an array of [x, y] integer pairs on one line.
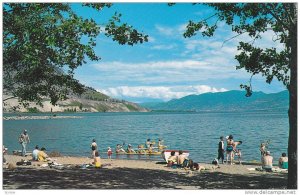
{"points": [[197, 132]]}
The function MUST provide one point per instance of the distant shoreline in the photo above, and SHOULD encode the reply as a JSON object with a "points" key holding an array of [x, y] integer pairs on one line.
{"points": [[38, 117], [58, 115]]}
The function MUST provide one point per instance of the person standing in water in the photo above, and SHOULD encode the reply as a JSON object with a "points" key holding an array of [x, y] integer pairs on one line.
{"points": [[24, 140], [109, 153], [263, 151]]}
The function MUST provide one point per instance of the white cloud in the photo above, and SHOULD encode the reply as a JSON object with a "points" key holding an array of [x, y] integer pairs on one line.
{"points": [[172, 32], [156, 72], [159, 92], [164, 47], [152, 65], [165, 30]]}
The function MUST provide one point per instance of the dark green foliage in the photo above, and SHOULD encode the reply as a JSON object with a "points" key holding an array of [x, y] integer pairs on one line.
{"points": [[42, 46], [75, 103], [97, 6], [33, 110], [70, 110], [94, 95]]}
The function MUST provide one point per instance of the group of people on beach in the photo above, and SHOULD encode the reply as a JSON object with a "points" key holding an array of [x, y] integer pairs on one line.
{"points": [[267, 159], [95, 154], [182, 161], [231, 150], [149, 148], [37, 154]]}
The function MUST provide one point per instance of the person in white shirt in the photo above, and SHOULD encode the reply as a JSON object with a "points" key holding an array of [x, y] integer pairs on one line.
{"points": [[35, 153]]}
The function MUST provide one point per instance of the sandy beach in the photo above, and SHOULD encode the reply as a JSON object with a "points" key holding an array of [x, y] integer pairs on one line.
{"points": [[134, 174]]}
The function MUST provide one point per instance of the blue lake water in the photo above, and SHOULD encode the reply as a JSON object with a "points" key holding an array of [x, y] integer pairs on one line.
{"points": [[197, 132]]}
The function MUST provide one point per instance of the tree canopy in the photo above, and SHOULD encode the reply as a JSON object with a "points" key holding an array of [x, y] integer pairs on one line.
{"points": [[254, 19], [43, 45]]}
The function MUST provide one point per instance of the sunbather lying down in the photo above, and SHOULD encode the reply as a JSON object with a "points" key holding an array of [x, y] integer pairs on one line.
{"points": [[278, 170], [190, 164]]}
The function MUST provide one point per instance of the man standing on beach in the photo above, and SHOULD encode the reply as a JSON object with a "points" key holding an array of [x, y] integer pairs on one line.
{"points": [[221, 149], [23, 140]]}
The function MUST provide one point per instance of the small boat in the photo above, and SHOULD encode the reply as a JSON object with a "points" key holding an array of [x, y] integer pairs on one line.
{"points": [[167, 153]]}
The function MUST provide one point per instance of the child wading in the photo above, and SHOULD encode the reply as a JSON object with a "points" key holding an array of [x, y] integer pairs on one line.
{"points": [[109, 153]]}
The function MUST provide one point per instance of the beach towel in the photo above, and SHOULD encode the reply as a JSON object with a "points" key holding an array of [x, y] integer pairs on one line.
{"points": [[55, 165], [267, 169], [44, 165]]}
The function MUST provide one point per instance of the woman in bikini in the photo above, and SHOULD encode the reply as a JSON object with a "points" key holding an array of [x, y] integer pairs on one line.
{"points": [[229, 149]]}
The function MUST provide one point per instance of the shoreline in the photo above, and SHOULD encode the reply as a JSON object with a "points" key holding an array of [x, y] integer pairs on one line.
{"points": [[135, 174], [39, 117]]}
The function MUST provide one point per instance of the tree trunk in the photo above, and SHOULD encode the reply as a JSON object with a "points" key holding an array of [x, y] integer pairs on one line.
{"points": [[292, 145]]}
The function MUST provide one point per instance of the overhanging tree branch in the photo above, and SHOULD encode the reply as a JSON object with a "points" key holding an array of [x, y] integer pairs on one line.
{"points": [[232, 38], [277, 18]]}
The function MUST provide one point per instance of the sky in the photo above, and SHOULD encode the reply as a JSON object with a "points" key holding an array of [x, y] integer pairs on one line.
{"points": [[168, 66]]}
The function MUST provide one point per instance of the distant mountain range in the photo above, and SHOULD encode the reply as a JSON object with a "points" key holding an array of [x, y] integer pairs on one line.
{"points": [[225, 101]]}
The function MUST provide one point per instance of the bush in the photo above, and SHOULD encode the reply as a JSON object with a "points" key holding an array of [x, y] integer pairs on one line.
{"points": [[33, 110]]}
